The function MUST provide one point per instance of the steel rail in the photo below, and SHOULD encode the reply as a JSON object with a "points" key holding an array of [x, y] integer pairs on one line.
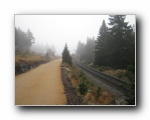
{"points": [[119, 84]]}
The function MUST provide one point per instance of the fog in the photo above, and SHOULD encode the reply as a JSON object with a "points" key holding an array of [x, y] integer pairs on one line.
{"points": [[56, 30]]}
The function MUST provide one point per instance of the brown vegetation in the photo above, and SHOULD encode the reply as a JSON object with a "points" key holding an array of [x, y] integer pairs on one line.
{"points": [[95, 95], [25, 61], [118, 73], [28, 57]]}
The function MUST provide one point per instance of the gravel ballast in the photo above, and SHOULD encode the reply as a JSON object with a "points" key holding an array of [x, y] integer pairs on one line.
{"points": [[72, 97]]}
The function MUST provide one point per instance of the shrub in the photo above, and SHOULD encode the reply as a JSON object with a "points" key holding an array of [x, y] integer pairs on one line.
{"points": [[120, 73], [98, 92], [81, 74], [83, 88]]}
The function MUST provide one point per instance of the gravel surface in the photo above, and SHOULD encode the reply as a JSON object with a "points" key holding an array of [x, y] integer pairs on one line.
{"points": [[72, 97], [100, 82], [41, 86]]}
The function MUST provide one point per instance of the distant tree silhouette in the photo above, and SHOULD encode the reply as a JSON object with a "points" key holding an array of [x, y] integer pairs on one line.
{"points": [[89, 50], [85, 52], [80, 51], [23, 40], [49, 53], [66, 58], [30, 37]]}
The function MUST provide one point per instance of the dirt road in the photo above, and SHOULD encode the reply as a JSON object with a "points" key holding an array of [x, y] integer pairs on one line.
{"points": [[40, 86]]}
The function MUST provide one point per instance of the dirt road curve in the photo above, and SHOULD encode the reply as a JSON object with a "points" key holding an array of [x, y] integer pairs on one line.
{"points": [[40, 86]]}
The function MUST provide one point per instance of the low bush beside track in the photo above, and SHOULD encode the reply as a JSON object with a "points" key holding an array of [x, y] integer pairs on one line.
{"points": [[89, 93]]}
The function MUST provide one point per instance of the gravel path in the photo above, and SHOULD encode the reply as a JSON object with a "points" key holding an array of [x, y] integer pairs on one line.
{"points": [[41, 86]]}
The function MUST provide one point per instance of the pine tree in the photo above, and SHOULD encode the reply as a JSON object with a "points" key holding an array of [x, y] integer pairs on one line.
{"points": [[121, 39], [85, 52], [23, 40], [66, 58], [30, 37], [80, 51], [101, 45], [89, 50]]}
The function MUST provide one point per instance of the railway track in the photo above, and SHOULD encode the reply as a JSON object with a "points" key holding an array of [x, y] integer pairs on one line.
{"points": [[119, 85]]}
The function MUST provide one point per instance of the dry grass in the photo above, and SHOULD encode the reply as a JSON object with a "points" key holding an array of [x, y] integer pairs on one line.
{"points": [[74, 83], [90, 98], [121, 74], [106, 97], [29, 58]]}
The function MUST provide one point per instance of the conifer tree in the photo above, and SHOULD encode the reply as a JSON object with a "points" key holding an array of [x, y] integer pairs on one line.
{"points": [[85, 52], [120, 41], [101, 45], [23, 40], [66, 58], [89, 50], [30, 37], [80, 51]]}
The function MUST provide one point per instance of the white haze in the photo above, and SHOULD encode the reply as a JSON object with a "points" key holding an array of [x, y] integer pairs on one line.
{"points": [[57, 30]]}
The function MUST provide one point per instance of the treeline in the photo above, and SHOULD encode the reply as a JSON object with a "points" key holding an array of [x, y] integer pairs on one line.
{"points": [[42, 48], [50, 52], [23, 40], [24, 43], [114, 46], [46, 49], [85, 52]]}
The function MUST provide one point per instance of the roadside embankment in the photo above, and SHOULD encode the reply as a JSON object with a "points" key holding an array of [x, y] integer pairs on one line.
{"points": [[25, 62]]}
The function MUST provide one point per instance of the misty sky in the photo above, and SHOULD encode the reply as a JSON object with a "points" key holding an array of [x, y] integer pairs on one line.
{"points": [[60, 29]]}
